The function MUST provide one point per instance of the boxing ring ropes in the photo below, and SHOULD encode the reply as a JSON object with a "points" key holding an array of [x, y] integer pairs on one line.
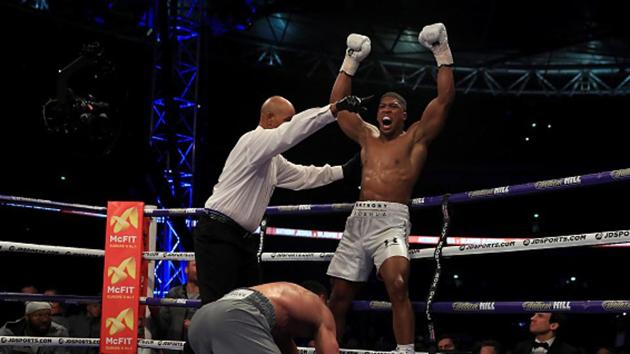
{"points": [[463, 248]]}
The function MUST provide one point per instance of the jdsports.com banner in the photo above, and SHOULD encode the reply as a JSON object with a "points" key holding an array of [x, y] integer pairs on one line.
{"points": [[121, 277]]}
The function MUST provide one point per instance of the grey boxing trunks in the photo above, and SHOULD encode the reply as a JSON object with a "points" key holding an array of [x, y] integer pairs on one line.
{"points": [[239, 322]]}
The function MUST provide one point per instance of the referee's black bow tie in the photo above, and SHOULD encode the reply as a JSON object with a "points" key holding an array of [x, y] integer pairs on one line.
{"points": [[540, 345]]}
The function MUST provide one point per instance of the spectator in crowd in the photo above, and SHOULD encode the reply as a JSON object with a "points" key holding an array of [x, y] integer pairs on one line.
{"points": [[488, 347], [545, 326], [446, 343], [172, 323], [57, 311], [36, 322], [86, 325], [29, 289]]}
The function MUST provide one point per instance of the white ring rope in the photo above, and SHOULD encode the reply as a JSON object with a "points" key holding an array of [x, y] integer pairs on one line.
{"points": [[10, 341], [6, 246], [530, 244], [53, 205], [171, 256], [308, 350], [297, 256], [48, 249]]}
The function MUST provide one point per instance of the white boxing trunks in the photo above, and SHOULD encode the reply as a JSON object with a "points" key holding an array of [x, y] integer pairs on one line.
{"points": [[375, 231]]}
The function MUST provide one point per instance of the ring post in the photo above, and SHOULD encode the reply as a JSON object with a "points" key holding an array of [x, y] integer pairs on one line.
{"points": [[121, 278]]}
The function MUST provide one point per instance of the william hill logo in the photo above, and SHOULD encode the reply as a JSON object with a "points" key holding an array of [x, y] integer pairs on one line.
{"points": [[120, 322], [473, 306], [128, 218], [620, 174], [487, 192], [553, 183], [616, 305], [546, 306], [126, 269]]}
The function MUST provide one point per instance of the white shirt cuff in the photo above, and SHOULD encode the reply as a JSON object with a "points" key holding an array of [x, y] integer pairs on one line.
{"points": [[328, 116], [337, 172]]}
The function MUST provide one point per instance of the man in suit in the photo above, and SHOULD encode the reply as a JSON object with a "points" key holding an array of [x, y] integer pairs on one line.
{"points": [[544, 326]]}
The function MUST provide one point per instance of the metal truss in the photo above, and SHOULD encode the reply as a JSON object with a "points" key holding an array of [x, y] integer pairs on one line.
{"points": [[397, 59], [507, 81], [35, 4], [173, 119], [541, 81]]}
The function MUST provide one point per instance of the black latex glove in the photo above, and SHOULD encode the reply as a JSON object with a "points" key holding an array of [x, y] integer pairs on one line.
{"points": [[352, 104]]}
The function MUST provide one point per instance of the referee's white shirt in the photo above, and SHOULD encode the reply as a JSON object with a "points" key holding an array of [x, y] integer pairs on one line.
{"points": [[255, 167]]}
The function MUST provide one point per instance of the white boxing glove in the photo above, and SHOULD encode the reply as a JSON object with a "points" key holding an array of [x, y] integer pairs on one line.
{"points": [[359, 47], [434, 37]]}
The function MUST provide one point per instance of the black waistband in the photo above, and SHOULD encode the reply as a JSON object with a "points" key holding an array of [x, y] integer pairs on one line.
{"points": [[226, 220]]}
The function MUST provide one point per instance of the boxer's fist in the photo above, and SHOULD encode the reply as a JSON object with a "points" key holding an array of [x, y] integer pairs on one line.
{"points": [[359, 47], [351, 104], [434, 37]]}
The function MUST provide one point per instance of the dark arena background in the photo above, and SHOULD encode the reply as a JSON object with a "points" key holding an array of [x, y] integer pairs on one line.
{"points": [[543, 89]]}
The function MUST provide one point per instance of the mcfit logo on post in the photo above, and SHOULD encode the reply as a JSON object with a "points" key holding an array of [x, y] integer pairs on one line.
{"points": [[121, 285], [128, 218], [120, 322], [126, 269]]}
